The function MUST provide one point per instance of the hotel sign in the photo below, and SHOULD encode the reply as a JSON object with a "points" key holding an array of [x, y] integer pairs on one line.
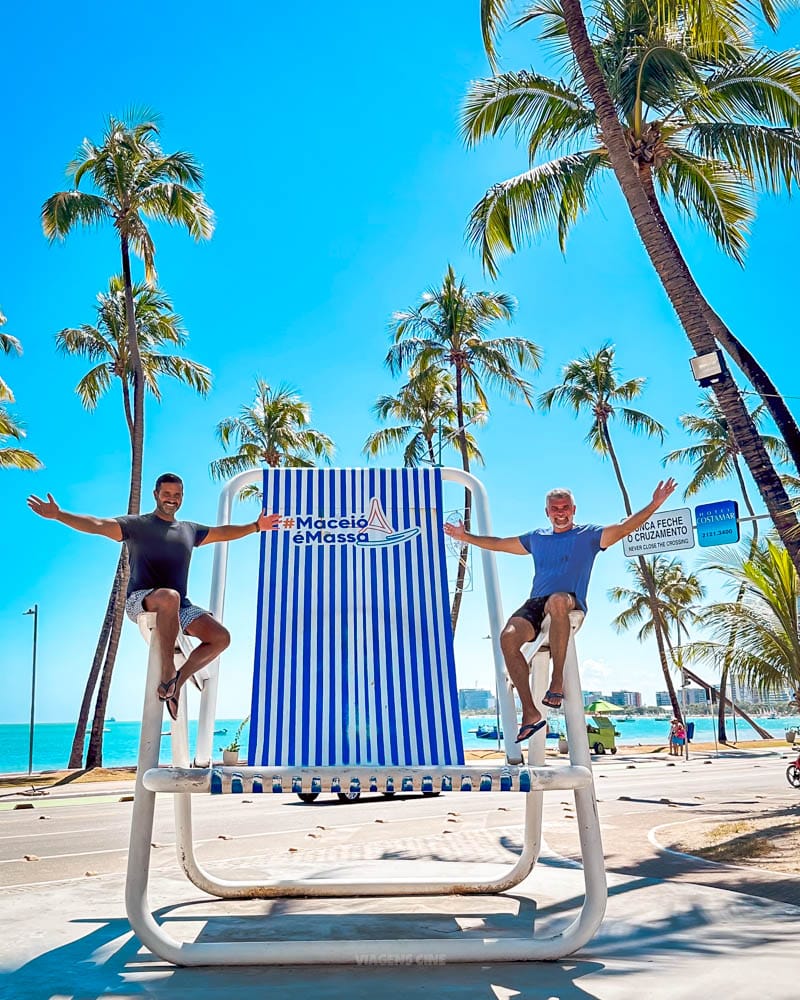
{"points": [[717, 523]]}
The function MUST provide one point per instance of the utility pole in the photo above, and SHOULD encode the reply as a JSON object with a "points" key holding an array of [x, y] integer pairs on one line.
{"points": [[35, 612]]}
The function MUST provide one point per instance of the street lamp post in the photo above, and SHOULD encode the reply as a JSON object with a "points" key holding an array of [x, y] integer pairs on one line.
{"points": [[35, 612]]}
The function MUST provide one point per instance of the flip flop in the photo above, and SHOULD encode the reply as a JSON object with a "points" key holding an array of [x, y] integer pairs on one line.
{"points": [[172, 708], [527, 731], [166, 689], [553, 699]]}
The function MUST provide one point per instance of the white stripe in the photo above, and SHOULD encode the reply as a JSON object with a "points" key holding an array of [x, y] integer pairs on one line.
{"points": [[349, 556], [316, 617], [325, 626], [419, 577], [438, 639], [283, 570]]}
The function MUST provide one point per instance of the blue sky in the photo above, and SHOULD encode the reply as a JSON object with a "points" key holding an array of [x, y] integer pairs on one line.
{"points": [[328, 135]]}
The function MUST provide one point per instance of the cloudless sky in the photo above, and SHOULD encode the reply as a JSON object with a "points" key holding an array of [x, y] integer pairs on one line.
{"points": [[328, 136]]}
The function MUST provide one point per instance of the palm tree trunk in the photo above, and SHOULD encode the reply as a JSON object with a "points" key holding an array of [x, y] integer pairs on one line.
{"points": [[742, 358], [94, 752], [678, 283], [647, 576], [137, 441], [79, 739], [731, 644], [462, 559]]}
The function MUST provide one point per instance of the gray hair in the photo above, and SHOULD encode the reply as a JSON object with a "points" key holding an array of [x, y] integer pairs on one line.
{"points": [[558, 492]]}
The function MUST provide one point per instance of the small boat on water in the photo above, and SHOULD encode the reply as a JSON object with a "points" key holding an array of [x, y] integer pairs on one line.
{"points": [[220, 732], [487, 733]]}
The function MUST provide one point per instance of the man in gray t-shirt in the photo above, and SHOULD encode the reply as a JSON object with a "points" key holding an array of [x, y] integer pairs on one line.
{"points": [[160, 550], [563, 557]]}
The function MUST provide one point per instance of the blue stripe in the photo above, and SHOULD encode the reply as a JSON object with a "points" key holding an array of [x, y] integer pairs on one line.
{"points": [[391, 607], [429, 664], [413, 624], [256, 698], [448, 630], [371, 655], [433, 507], [322, 624], [279, 710], [268, 596], [308, 559]]}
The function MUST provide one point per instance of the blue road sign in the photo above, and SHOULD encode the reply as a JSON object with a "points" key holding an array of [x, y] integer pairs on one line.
{"points": [[717, 523]]}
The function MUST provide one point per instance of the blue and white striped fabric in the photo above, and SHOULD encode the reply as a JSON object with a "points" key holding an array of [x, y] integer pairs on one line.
{"points": [[354, 651]]}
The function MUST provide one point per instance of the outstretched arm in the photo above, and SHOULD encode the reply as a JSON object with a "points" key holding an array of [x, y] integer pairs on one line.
{"points": [[511, 545], [50, 510], [613, 532], [230, 532]]}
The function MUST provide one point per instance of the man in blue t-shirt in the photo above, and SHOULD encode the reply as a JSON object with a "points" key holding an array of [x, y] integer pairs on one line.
{"points": [[160, 549], [563, 557]]}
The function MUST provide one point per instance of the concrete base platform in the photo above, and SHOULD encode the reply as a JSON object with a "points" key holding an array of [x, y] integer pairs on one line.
{"points": [[658, 939]]}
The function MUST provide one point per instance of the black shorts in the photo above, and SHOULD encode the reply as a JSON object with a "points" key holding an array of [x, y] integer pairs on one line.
{"points": [[533, 610]]}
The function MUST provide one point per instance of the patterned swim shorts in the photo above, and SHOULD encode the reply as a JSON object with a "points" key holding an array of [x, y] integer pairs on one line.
{"points": [[134, 606]]}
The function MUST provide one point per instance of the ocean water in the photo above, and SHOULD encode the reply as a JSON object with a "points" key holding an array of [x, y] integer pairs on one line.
{"points": [[52, 741]]}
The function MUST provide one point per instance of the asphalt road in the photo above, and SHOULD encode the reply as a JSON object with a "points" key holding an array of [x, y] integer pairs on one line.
{"points": [[77, 836]]}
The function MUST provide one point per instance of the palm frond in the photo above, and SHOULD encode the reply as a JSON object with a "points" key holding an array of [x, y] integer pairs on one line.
{"points": [[551, 195], [770, 154], [494, 17], [712, 191], [542, 111], [19, 458], [65, 209]]}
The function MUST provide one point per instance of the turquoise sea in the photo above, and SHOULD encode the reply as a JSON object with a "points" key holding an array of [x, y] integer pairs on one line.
{"points": [[52, 741]]}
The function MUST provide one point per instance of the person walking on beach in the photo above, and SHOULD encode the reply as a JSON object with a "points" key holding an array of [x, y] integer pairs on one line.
{"points": [[563, 557], [160, 551]]}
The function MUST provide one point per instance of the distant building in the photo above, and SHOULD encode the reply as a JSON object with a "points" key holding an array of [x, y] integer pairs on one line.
{"points": [[590, 696], [686, 696], [629, 699], [693, 696], [743, 693], [475, 700]]}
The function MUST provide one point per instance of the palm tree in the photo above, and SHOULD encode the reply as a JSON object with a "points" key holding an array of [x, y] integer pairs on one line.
{"points": [[425, 409], [766, 618], [135, 181], [716, 457], [273, 430], [106, 346], [448, 331], [676, 595], [724, 116], [12, 457], [592, 383]]}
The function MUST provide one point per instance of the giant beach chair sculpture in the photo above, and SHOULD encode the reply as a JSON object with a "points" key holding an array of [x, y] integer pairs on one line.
{"points": [[354, 690]]}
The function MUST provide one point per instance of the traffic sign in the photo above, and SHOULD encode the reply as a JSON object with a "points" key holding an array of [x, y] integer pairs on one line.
{"points": [[666, 531], [717, 523]]}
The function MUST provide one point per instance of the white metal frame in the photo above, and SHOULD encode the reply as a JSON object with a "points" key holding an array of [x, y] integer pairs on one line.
{"points": [[183, 780]]}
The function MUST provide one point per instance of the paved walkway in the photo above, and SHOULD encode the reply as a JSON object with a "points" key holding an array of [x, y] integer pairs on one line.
{"points": [[674, 925]]}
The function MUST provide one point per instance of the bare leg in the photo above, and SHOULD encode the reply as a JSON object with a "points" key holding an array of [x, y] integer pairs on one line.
{"points": [[165, 603], [517, 632], [214, 639], [558, 606]]}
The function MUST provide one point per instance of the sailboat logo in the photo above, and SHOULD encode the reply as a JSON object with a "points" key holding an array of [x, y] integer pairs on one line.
{"points": [[378, 533]]}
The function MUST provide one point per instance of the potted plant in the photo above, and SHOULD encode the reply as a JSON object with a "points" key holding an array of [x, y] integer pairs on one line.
{"points": [[230, 753]]}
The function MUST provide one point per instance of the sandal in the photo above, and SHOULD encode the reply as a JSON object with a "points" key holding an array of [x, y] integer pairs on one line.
{"points": [[173, 706], [166, 689], [528, 730], [553, 699]]}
